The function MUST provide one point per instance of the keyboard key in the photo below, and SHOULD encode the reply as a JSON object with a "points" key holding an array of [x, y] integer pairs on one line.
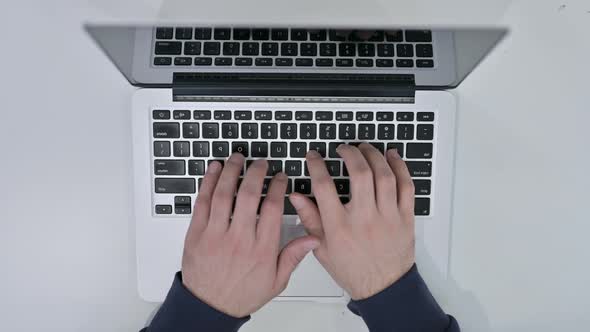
{"points": [[364, 62], [288, 209], [243, 62], [222, 33], [249, 130], [398, 146], [327, 131], [343, 116], [201, 115], [181, 149], [175, 185], [162, 61], [270, 49], [192, 48], [269, 130], [288, 131], [293, 167], [220, 149], [202, 33], [421, 206], [379, 146], [278, 149], [260, 34], [181, 115], [222, 115], [184, 33], [298, 149], [283, 115], [308, 131], [320, 147], [324, 62], [241, 147], [384, 116], [263, 62], [422, 187], [323, 116], [394, 36], [168, 48], [405, 116], [302, 186], [347, 131], [196, 167], [304, 115], [366, 131], [284, 62], [342, 186], [385, 50], [280, 34], [164, 33], [203, 61], [419, 168], [166, 130], [223, 61], [263, 115], [344, 63], [200, 149], [333, 167], [163, 209], [425, 116], [332, 150], [161, 149], [364, 116], [424, 36], [160, 114], [377, 36], [265, 185], [211, 48], [182, 200], [421, 63], [289, 49], [252, 48], [303, 62], [337, 35], [241, 34], [190, 130], [229, 130], [210, 130], [419, 151], [347, 49], [366, 50], [405, 50], [405, 131], [425, 132], [274, 167], [424, 50], [169, 167], [182, 209], [231, 48], [259, 149], [317, 35], [344, 199], [385, 132], [384, 63], [308, 49], [243, 115], [328, 49], [298, 34]]}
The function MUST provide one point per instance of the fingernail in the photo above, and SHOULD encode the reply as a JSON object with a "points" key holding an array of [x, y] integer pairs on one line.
{"points": [[259, 162], [313, 154], [281, 176], [296, 201], [214, 167], [393, 153]]}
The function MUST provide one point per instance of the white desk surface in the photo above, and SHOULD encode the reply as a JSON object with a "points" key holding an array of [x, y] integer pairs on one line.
{"points": [[520, 248]]}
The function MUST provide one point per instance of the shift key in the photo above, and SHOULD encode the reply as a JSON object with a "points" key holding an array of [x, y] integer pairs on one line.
{"points": [[175, 186], [419, 168]]}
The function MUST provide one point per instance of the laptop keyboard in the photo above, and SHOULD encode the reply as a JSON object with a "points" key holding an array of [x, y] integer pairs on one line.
{"points": [[186, 141], [283, 48]]}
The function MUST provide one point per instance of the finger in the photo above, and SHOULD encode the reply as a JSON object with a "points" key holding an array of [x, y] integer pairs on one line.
{"points": [[362, 192], [271, 213], [308, 214], [202, 205], [223, 196], [290, 257], [323, 187], [405, 185], [384, 180], [249, 197]]}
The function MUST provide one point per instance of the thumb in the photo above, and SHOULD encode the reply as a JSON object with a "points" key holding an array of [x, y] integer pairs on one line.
{"points": [[291, 256], [308, 213]]}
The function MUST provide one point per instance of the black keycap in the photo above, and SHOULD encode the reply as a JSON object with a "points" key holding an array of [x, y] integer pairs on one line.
{"points": [[223, 61], [211, 48], [366, 131], [422, 187], [405, 50], [377, 36], [419, 168], [283, 115], [364, 62], [333, 167], [298, 149], [175, 185], [337, 35], [364, 116], [419, 151], [169, 167], [424, 50], [202, 33], [231, 48], [269, 130], [181, 115], [203, 61], [379, 146], [222, 115], [324, 116], [210, 130], [166, 130], [263, 115], [425, 132], [421, 206], [308, 131], [243, 62], [425, 116], [324, 62], [162, 61], [405, 116], [249, 130], [182, 200], [161, 149], [344, 63], [386, 132], [182, 209], [222, 33], [280, 34], [160, 114], [184, 33], [398, 146], [196, 167], [303, 62], [274, 167], [163, 209], [298, 34], [347, 131], [385, 50], [327, 131], [252, 48], [343, 116], [260, 34], [288, 209], [302, 186], [288, 131], [200, 181], [270, 49], [342, 186], [308, 49], [241, 34], [405, 131], [190, 130], [192, 48], [168, 48], [394, 36], [366, 50], [229, 130], [181, 149], [421, 63], [278, 149], [328, 49], [263, 62], [420, 36], [164, 33], [384, 63], [259, 149], [317, 35], [320, 147], [201, 115], [304, 115], [289, 49], [384, 116], [265, 185], [344, 199], [293, 167], [332, 150], [200, 149], [241, 147], [347, 49], [220, 149], [284, 62], [243, 115]]}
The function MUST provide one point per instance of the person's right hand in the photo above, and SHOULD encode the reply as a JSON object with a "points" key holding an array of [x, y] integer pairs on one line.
{"points": [[367, 244]]}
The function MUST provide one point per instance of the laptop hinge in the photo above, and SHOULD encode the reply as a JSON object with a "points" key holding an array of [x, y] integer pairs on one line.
{"points": [[378, 88]]}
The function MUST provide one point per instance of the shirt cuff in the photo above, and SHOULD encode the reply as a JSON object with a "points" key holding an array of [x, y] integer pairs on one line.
{"points": [[182, 311], [406, 305]]}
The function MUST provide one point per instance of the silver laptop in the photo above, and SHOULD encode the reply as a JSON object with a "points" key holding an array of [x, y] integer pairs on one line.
{"points": [[275, 93]]}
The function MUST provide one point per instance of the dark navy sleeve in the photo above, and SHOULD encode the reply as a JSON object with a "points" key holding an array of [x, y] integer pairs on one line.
{"points": [[406, 305], [182, 311]]}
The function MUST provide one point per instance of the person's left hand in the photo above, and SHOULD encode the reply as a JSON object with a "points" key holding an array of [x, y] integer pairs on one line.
{"points": [[238, 267]]}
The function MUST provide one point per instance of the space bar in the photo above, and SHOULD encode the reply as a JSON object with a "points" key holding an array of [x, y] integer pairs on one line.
{"points": [[175, 186]]}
